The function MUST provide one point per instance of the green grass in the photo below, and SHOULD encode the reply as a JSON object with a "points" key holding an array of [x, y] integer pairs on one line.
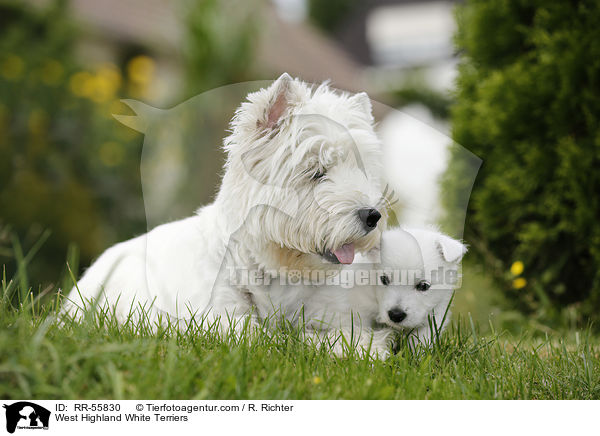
{"points": [[43, 359]]}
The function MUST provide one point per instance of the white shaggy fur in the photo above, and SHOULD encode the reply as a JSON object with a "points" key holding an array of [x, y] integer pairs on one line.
{"points": [[271, 212], [406, 254]]}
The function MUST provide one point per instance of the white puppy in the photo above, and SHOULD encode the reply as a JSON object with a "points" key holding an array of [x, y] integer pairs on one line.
{"points": [[409, 290], [301, 189]]}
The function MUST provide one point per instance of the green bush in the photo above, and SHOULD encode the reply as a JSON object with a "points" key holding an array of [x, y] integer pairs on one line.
{"points": [[528, 104], [219, 43], [330, 14], [66, 166]]}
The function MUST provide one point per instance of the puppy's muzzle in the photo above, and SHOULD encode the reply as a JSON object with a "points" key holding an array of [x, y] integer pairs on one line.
{"points": [[396, 314], [369, 218]]}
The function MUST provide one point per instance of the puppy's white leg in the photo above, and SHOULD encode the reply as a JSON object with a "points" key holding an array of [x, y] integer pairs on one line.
{"points": [[366, 342], [377, 343], [331, 340], [423, 335], [430, 332]]}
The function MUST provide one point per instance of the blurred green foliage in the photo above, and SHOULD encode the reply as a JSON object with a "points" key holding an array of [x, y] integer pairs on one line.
{"points": [[527, 104], [220, 36], [437, 102], [64, 166], [328, 15]]}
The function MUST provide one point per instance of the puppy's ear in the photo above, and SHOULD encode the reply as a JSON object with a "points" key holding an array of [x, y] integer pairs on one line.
{"points": [[280, 97], [450, 249], [373, 255], [363, 101]]}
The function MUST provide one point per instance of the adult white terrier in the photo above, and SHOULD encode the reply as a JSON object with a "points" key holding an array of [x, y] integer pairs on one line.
{"points": [[301, 190], [409, 290]]}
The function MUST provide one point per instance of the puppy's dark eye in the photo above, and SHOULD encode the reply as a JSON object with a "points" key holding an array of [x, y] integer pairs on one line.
{"points": [[385, 280], [422, 286], [318, 175]]}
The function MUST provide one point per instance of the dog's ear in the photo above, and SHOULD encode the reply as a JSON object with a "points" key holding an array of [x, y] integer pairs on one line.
{"points": [[450, 249], [363, 101], [281, 95]]}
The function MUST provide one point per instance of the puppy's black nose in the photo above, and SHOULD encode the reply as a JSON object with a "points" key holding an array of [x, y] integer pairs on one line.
{"points": [[396, 314], [369, 218]]}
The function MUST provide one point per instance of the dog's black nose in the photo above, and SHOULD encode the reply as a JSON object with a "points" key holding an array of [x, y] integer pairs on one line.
{"points": [[396, 314], [369, 218]]}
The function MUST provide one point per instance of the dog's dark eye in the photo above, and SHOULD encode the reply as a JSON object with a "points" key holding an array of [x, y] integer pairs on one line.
{"points": [[422, 286], [318, 175], [385, 280]]}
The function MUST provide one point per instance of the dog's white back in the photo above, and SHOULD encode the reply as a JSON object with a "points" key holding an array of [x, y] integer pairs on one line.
{"points": [[303, 166]]}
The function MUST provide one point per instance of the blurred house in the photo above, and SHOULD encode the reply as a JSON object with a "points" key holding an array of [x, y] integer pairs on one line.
{"points": [[377, 47], [117, 30], [396, 37], [382, 45]]}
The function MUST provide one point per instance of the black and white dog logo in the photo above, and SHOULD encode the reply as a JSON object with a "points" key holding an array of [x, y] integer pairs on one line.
{"points": [[26, 415]]}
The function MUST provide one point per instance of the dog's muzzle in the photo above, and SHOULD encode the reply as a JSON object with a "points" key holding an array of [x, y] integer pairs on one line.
{"points": [[344, 254], [328, 255], [396, 315], [369, 218]]}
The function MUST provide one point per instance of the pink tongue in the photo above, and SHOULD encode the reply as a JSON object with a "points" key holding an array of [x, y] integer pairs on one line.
{"points": [[345, 254]]}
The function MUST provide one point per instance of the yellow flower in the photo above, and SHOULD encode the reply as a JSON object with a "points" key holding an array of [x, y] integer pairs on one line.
{"points": [[81, 84], [101, 89], [111, 73], [519, 283], [141, 69], [106, 83], [317, 380], [12, 67], [517, 268]]}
